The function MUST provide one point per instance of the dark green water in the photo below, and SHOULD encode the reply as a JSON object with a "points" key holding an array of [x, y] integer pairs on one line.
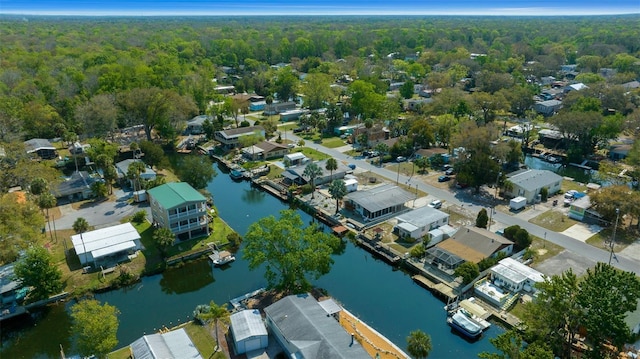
{"points": [[386, 299]]}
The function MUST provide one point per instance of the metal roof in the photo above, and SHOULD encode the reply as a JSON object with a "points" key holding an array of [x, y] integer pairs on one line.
{"points": [[303, 323], [105, 241], [174, 194], [175, 344], [8, 280], [422, 216], [516, 271], [330, 306], [381, 197], [532, 180], [123, 168], [246, 324], [35, 144]]}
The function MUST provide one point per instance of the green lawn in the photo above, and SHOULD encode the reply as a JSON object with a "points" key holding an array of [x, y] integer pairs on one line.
{"points": [[218, 236], [624, 237], [553, 220], [313, 154], [203, 341], [572, 185], [333, 142], [543, 249]]}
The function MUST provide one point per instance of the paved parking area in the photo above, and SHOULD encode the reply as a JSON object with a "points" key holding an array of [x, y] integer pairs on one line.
{"points": [[563, 261], [581, 231]]}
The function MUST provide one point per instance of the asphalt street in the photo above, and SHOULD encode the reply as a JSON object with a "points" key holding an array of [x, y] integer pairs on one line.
{"points": [[467, 199]]}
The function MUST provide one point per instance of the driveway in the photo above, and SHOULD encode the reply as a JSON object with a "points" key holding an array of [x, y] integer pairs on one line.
{"points": [[101, 214]]}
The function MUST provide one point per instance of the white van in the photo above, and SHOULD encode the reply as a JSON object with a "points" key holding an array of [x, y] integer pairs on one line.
{"points": [[436, 203]]}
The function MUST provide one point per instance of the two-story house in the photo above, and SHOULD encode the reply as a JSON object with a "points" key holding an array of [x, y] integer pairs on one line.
{"points": [[181, 208], [230, 138]]}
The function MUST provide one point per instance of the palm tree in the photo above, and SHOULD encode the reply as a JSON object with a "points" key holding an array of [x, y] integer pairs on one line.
{"points": [[136, 169], [45, 201], [312, 171], [331, 165], [164, 238], [338, 190], [419, 344], [80, 225], [135, 147], [212, 313]]}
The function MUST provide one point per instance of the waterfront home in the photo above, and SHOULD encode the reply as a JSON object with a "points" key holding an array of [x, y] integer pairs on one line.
{"points": [[175, 344], [381, 201], [469, 244], [75, 188], [106, 246], [265, 150], [195, 126], [122, 168], [9, 285], [248, 331], [619, 151], [296, 174], [181, 208], [507, 278], [230, 138], [40, 147], [529, 182], [295, 159], [418, 222], [306, 330]]}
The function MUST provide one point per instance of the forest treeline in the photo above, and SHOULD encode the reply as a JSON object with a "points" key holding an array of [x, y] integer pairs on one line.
{"points": [[51, 66]]}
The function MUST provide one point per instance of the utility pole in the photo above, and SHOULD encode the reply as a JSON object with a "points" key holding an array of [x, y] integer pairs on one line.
{"points": [[613, 238]]}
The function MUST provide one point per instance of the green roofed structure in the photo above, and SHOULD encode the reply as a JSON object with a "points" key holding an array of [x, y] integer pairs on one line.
{"points": [[181, 208]]}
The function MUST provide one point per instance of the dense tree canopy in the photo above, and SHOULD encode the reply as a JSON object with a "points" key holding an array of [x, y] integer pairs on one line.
{"points": [[95, 327], [38, 271], [291, 253]]}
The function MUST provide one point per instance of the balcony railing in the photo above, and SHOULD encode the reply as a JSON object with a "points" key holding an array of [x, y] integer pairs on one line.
{"points": [[190, 213]]}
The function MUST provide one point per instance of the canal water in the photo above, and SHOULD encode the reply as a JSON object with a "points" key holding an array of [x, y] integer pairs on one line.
{"points": [[385, 298]]}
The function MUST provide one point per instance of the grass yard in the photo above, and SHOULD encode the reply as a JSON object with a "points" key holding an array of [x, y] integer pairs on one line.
{"points": [[333, 142], [554, 221], [572, 185], [406, 168], [313, 154], [204, 342], [218, 236], [122, 353], [624, 237], [543, 249]]}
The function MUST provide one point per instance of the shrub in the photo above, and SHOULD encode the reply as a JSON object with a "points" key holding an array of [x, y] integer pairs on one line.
{"points": [[417, 252], [139, 217], [544, 194]]}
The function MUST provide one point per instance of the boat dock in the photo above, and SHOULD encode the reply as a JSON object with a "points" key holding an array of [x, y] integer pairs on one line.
{"points": [[374, 247], [439, 289], [236, 303]]}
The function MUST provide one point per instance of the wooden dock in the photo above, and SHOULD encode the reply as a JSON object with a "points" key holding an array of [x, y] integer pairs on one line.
{"points": [[236, 303], [439, 289], [377, 249]]}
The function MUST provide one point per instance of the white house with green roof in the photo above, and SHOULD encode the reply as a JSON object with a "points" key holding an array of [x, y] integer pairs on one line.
{"points": [[181, 208]]}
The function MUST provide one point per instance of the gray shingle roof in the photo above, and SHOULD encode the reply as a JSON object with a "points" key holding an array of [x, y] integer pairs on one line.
{"points": [[532, 180], [305, 325], [35, 144], [79, 182], [381, 197]]}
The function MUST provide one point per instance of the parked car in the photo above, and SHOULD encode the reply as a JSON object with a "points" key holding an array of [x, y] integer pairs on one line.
{"points": [[298, 130], [443, 178], [449, 172], [436, 203], [401, 158]]}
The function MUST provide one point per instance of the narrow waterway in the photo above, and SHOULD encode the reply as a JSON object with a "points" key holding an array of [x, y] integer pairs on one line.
{"points": [[385, 298]]}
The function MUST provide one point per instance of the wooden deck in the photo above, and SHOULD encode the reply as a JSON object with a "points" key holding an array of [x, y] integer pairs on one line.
{"points": [[373, 342]]}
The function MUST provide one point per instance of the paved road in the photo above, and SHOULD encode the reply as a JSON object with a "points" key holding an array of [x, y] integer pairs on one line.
{"points": [[465, 198]]}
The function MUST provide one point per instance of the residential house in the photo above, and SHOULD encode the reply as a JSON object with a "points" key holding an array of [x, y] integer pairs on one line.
{"points": [[224, 89], [619, 151], [181, 208], [296, 174], [547, 80], [432, 152], [295, 159], [547, 108], [195, 125], [631, 85], [416, 104], [381, 201], [575, 87], [41, 147], [122, 168], [9, 285], [580, 210], [418, 222], [265, 150], [305, 330], [506, 281], [373, 135], [107, 246], [175, 344], [550, 138], [469, 244], [76, 188], [528, 183], [292, 115], [278, 108], [230, 138], [248, 331]]}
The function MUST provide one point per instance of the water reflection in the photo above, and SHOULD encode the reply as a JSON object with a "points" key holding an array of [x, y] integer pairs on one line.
{"points": [[253, 196], [190, 277]]}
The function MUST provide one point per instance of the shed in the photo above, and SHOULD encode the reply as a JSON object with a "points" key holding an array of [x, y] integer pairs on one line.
{"points": [[106, 245], [517, 203], [351, 184], [174, 344], [248, 330]]}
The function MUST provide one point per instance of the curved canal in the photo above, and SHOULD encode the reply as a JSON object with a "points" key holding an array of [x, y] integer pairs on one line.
{"points": [[386, 299]]}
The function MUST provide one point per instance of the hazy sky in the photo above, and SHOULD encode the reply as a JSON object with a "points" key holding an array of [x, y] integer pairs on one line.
{"points": [[314, 7]]}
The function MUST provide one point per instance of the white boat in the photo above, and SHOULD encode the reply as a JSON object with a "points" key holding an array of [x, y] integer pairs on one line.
{"points": [[463, 322], [221, 258]]}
